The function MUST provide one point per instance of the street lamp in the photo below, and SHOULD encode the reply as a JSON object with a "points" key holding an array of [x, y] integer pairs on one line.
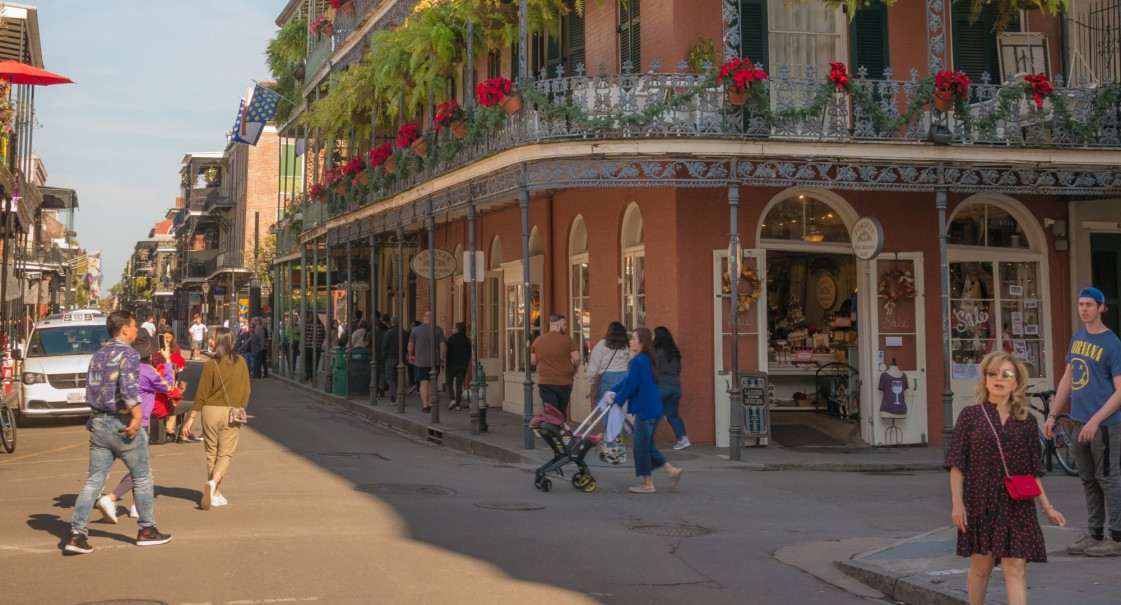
{"points": [[254, 295], [41, 256]]}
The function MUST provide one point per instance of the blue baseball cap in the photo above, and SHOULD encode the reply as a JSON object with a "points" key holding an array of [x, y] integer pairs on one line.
{"points": [[1092, 292]]}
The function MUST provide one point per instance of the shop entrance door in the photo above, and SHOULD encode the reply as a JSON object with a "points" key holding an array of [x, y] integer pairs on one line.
{"points": [[1105, 272], [751, 317]]}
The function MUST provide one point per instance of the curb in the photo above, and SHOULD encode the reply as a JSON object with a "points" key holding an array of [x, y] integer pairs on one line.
{"points": [[900, 588]]}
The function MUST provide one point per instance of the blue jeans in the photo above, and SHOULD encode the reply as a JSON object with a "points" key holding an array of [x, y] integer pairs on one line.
{"points": [[671, 397], [647, 458], [108, 442], [609, 381]]}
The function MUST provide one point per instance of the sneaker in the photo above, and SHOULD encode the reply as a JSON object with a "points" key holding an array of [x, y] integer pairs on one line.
{"points": [[150, 536], [1108, 547], [452, 405], [190, 439], [207, 495], [132, 512], [412, 389], [78, 544], [219, 500], [107, 508], [1084, 541], [684, 443]]}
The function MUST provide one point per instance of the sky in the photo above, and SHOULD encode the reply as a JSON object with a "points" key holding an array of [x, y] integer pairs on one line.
{"points": [[154, 82]]}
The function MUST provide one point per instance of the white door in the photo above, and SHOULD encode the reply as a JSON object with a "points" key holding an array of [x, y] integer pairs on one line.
{"points": [[752, 319]]}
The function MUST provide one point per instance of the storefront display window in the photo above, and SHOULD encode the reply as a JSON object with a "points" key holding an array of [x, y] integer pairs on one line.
{"points": [[988, 225], [995, 306], [581, 320], [634, 290], [515, 324], [805, 219]]}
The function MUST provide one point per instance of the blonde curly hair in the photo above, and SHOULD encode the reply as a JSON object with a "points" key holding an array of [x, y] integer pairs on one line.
{"points": [[1020, 403]]}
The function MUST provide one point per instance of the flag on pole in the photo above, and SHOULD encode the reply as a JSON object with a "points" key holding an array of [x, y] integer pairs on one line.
{"points": [[243, 132], [262, 105]]}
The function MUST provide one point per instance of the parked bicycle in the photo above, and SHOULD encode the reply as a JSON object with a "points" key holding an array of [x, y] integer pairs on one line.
{"points": [[7, 426], [1060, 448]]}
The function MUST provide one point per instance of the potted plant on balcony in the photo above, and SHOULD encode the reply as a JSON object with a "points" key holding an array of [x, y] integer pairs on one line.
{"points": [[1040, 88], [741, 74], [322, 26], [346, 6], [317, 192], [408, 135], [354, 170], [499, 91], [949, 88], [839, 76], [449, 114], [211, 176], [335, 179], [382, 155]]}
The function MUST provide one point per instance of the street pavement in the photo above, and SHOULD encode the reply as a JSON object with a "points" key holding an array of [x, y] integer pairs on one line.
{"points": [[328, 506]]}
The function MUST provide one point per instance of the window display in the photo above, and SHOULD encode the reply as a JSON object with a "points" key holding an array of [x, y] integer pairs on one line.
{"points": [[995, 306]]}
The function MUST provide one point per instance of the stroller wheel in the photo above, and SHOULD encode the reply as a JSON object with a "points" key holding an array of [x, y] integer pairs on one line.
{"points": [[589, 486], [546, 485], [579, 480]]}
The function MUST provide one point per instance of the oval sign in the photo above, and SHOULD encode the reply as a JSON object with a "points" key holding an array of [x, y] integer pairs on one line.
{"points": [[445, 264], [867, 238]]}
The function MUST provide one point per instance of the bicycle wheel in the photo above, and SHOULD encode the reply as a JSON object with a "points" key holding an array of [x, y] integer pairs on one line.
{"points": [[1064, 443], [7, 428]]}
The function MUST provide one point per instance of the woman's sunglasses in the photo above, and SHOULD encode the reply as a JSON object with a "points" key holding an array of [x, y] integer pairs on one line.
{"points": [[1005, 374]]}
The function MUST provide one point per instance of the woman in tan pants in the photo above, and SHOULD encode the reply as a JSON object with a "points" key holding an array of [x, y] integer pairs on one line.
{"points": [[224, 384]]}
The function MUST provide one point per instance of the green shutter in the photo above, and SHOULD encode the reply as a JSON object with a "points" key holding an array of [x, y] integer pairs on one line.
{"points": [[575, 34], [754, 36], [868, 41], [974, 42], [630, 45]]}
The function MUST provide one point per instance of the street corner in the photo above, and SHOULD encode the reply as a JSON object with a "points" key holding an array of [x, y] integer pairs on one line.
{"points": [[919, 570]]}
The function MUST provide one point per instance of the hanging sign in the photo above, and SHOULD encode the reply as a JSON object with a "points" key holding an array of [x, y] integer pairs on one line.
{"points": [[445, 264], [867, 238], [480, 266]]}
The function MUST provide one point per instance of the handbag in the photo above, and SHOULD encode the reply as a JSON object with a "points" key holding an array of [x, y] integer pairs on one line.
{"points": [[1020, 487], [237, 416], [593, 386]]}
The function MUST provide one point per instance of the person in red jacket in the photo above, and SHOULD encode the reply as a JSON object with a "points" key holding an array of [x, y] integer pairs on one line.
{"points": [[165, 404]]}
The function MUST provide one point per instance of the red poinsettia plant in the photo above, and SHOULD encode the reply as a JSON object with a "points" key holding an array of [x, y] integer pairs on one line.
{"points": [[839, 75], [335, 4], [317, 191], [742, 73], [448, 112], [407, 134], [952, 83], [380, 154], [332, 176], [1040, 87], [491, 92], [322, 25]]}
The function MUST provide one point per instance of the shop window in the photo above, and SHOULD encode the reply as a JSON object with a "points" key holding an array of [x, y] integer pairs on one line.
{"points": [[580, 318], [806, 219], [988, 225], [515, 324], [634, 269], [996, 306]]}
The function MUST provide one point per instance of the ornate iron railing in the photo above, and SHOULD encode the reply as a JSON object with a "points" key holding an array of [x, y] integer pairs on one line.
{"points": [[655, 105], [318, 54]]}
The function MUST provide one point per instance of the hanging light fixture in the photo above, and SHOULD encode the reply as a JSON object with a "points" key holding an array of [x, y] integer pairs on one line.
{"points": [[810, 233]]}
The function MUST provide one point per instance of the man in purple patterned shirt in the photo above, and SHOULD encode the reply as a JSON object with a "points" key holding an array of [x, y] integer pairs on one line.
{"points": [[113, 394]]}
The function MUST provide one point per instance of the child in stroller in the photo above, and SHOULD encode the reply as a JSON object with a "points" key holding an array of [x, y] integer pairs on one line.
{"points": [[567, 447]]}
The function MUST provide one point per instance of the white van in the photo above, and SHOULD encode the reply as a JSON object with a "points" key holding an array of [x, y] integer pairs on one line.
{"points": [[52, 376]]}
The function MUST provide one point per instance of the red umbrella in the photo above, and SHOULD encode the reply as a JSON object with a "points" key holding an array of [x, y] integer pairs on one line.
{"points": [[22, 73]]}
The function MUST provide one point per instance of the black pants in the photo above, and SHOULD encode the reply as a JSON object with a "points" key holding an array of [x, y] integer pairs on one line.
{"points": [[310, 359], [556, 395], [263, 362], [456, 377]]}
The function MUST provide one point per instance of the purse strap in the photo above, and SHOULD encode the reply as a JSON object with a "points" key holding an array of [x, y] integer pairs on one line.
{"points": [[609, 360], [995, 434], [223, 381]]}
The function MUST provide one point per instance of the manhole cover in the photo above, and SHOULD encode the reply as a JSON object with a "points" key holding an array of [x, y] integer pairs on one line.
{"points": [[406, 488], [510, 505], [673, 531], [126, 602]]}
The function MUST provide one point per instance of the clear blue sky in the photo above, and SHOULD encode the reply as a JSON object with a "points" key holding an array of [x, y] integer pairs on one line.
{"points": [[155, 81]]}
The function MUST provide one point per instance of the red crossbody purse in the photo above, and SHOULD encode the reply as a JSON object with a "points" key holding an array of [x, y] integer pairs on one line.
{"points": [[1020, 487]]}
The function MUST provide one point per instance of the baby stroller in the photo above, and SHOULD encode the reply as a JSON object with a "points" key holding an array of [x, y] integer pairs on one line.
{"points": [[566, 448]]}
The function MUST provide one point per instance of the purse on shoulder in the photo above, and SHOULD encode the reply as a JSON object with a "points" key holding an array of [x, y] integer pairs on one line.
{"points": [[1020, 487]]}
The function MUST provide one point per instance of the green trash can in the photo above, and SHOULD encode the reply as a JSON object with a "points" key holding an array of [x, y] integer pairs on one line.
{"points": [[358, 373], [338, 367]]}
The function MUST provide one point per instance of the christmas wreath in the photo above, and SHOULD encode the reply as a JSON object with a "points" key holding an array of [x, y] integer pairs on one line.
{"points": [[752, 279], [896, 285]]}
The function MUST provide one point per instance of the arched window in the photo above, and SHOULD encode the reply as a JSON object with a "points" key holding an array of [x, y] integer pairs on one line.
{"points": [[804, 218], [580, 317], [490, 317], [634, 269]]}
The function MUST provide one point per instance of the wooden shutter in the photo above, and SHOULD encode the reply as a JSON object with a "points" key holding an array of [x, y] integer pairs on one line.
{"points": [[754, 35], [553, 51], [630, 44], [868, 40], [574, 34], [974, 42]]}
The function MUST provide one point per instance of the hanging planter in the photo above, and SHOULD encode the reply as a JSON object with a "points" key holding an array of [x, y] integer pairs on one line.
{"points": [[512, 103], [458, 128], [346, 6], [390, 165], [741, 74], [419, 147], [322, 26], [944, 100], [949, 87], [449, 114], [736, 96]]}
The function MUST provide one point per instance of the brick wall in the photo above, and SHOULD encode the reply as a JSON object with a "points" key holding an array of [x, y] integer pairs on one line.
{"points": [[261, 187]]}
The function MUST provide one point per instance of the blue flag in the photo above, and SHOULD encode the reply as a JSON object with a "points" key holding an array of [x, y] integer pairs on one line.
{"points": [[262, 106]]}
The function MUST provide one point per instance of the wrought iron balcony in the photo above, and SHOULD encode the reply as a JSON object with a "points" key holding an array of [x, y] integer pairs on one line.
{"points": [[802, 108], [216, 202], [229, 260], [318, 55]]}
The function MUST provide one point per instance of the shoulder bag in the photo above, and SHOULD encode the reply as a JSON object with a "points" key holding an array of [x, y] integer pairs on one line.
{"points": [[1020, 487], [238, 416], [593, 386]]}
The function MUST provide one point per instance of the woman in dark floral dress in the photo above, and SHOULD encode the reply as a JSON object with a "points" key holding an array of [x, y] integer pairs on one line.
{"points": [[992, 527]]}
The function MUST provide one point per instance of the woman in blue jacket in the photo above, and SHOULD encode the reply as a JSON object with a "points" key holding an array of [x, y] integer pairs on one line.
{"points": [[641, 390]]}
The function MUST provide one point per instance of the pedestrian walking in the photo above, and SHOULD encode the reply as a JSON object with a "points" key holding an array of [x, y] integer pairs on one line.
{"points": [[360, 338], [165, 406], [113, 394], [427, 360], [257, 347], [668, 361], [992, 440], [1091, 384], [198, 335], [640, 390], [611, 357], [410, 375], [150, 325], [459, 359], [223, 390], [557, 359]]}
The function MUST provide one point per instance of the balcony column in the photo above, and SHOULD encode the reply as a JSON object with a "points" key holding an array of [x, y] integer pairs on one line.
{"points": [[477, 377], [527, 409], [936, 35], [735, 418], [401, 318], [301, 350], [469, 76], [315, 348], [329, 339], [375, 371], [523, 71], [944, 280], [433, 384]]}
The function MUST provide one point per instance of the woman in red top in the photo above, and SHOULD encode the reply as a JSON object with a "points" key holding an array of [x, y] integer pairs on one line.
{"points": [[992, 527], [165, 405]]}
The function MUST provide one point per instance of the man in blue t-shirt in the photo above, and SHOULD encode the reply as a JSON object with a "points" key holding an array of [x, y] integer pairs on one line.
{"points": [[1092, 382]]}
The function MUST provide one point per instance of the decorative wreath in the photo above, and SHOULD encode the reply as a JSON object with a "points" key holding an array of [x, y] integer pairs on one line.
{"points": [[896, 285], [752, 279]]}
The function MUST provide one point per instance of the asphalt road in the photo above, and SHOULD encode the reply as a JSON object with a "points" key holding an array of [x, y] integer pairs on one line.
{"points": [[327, 508]]}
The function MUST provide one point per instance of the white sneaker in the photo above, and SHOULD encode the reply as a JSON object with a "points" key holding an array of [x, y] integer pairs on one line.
{"points": [[207, 495], [219, 500], [132, 512], [107, 508], [452, 406], [684, 443]]}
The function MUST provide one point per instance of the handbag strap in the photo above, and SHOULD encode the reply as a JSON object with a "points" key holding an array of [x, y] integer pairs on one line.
{"points": [[223, 381], [995, 434], [609, 360]]}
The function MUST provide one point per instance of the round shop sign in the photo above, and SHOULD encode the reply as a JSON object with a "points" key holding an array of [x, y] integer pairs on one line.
{"points": [[867, 238], [445, 264]]}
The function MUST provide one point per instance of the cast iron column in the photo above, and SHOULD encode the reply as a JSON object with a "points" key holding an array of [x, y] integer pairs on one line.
{"points": [[375, 367], [328, 363], [316, 348], [527, 408], [735, 416], [401, 323], [301, 348], [944, 275], [523, 51], [477, 407], [434, 382]]}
